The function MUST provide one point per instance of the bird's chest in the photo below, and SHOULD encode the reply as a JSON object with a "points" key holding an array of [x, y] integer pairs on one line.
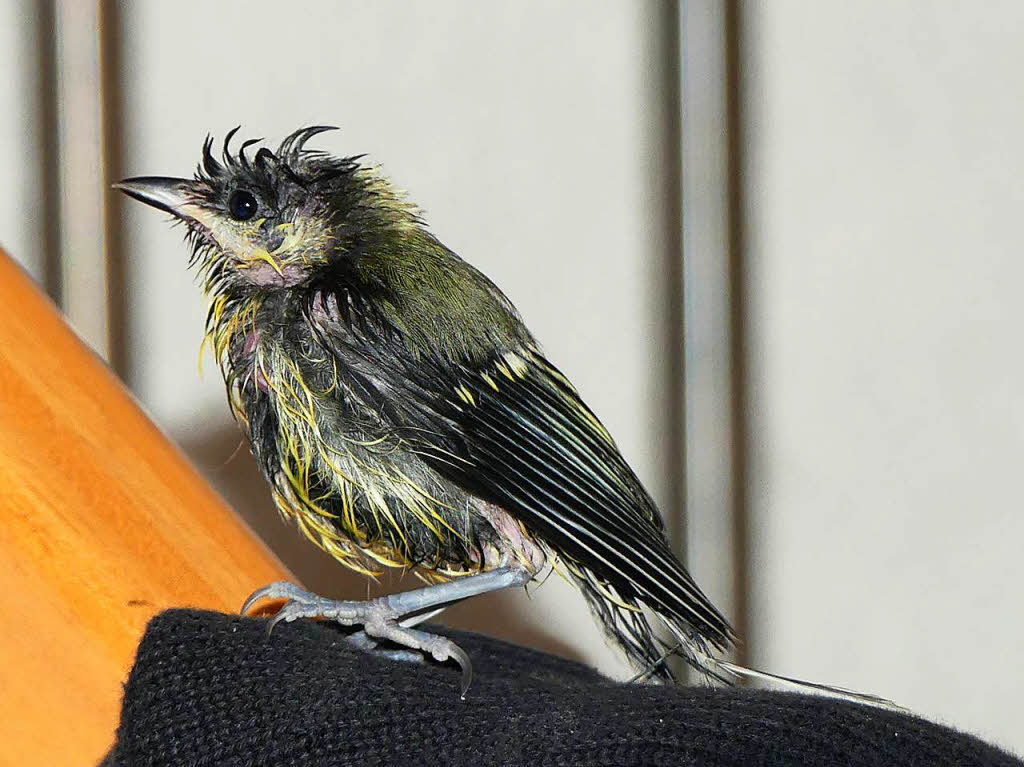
{"points": [[295, 379], [338, 473], [300, 408]]}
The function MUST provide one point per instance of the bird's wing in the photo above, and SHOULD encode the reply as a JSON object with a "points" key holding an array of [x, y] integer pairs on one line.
{"points": [[514, 431]]}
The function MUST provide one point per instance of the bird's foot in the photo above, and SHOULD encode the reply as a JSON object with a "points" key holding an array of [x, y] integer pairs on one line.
{"points": [[388, 618], [361, 640]]}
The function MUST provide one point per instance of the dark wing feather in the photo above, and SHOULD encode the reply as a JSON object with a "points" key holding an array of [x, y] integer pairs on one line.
{"points": [[514, 431], [536, 449]]}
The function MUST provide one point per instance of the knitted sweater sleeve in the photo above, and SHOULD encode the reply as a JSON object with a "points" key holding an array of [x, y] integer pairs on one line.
{"points": [[211, 689]]}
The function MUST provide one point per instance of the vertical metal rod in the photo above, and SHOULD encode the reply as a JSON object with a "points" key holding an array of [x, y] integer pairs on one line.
{"points": [[49, 154], [738, 290], [665, 173], [112, 127], [84, 287], [669, 114], [713, 434]]}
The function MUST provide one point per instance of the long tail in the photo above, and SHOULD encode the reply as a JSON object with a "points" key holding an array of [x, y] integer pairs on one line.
{"points": [[633, 629], [742, 672], [698, 656]]}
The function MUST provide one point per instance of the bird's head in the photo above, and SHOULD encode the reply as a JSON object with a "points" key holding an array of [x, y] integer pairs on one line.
{"points": [[278, 218]]}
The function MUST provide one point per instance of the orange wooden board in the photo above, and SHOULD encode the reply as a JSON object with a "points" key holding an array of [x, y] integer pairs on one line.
{"points": [[103, 523]]}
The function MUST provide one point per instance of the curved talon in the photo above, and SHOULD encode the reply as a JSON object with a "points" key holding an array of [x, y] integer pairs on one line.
{"points": [[282, 615], [462, 658], [276, 590], [440, 648], [445, 649], [250, 603]]}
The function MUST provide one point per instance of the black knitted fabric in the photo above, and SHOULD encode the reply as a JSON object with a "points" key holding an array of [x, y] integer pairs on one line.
{"points": [[211, 689]]}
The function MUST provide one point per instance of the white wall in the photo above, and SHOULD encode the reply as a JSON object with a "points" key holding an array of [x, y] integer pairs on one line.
{"points": [[885, 197]]}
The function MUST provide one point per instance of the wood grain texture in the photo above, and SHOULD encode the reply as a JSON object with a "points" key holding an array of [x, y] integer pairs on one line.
{"points": [[103, 523]]}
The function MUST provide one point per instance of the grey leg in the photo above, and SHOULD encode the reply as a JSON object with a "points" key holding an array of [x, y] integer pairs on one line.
{"points": [[392, 617]]}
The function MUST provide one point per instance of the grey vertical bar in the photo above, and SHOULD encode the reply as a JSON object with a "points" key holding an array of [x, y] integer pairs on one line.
{"points": [[668, 111], [49, 169], [709, 389], [110, 45], [666, 290], [738, 298]]}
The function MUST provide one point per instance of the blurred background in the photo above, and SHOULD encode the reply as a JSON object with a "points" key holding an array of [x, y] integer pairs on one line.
{"points": [[828, 193]]}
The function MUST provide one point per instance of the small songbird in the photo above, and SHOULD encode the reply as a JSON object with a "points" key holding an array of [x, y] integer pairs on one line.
{"points": [[404, 416]]}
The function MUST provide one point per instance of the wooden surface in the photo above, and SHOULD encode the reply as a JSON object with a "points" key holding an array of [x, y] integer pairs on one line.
{"points": [[103, 523]]}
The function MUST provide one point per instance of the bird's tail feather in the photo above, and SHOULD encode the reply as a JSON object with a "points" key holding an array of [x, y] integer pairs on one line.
{"points": [[627, 625], [635, 631], [729, 672], [742, 672]]}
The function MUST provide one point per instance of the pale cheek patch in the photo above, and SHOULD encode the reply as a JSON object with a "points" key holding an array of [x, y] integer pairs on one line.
{"points": [[230, 240], [303, 244]]}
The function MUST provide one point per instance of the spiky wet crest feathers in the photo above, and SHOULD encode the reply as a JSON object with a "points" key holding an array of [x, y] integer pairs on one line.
{"points": [[403, 413]]}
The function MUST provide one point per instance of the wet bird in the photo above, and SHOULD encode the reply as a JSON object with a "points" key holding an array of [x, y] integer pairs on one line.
{"points": [[404, 416]]}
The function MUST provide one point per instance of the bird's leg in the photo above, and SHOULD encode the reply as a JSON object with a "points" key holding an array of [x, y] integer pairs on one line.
{"points": [[392, 617]]}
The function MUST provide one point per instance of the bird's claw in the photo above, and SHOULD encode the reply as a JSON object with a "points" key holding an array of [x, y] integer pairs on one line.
{"points": [[378, 619], [277, 590], [439, 648]]}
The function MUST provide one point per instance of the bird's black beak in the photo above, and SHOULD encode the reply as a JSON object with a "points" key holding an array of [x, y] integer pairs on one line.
{"points": [[168, 194]]}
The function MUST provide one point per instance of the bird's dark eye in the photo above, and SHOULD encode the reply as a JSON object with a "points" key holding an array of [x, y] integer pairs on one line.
{"points": [[242, 205]]}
